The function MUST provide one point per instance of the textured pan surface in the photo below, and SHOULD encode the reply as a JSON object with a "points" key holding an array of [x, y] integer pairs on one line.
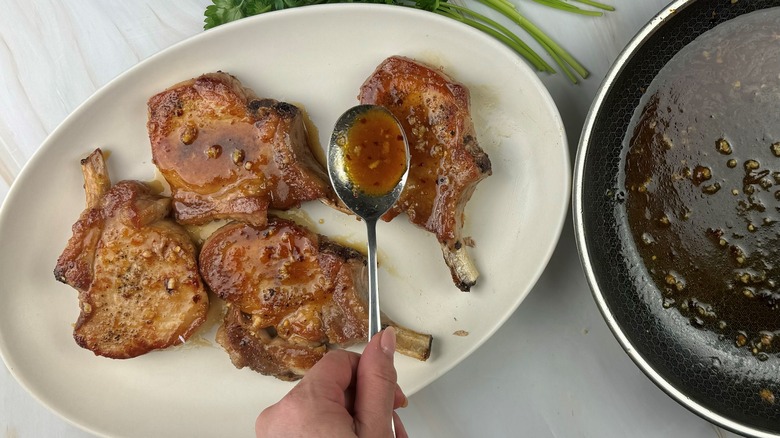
{"points": [[710, 376]]}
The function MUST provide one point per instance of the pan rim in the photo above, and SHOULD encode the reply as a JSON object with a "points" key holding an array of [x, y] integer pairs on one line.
{"points": [[579, 232]]}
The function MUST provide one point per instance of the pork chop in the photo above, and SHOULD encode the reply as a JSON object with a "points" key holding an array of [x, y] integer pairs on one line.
{"points": [[446, 159], [135, 269], [291, 293], [227, 154]]}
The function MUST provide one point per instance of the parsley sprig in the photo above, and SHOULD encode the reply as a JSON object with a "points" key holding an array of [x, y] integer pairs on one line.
{"points": [[224, 11]]}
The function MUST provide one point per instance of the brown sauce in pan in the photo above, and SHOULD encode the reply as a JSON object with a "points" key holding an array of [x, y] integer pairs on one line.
{"points": [[703, 181]]}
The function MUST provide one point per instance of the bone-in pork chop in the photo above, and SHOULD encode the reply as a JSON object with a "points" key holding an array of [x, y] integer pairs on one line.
{"points": [[446, 160], [135, 269], [227, 154], [291, 293]]}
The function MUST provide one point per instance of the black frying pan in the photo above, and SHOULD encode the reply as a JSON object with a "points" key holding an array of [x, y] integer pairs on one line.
{"points": [[702, 371]]}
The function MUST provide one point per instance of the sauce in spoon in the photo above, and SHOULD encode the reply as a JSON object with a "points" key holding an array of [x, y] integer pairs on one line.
{"points": [[374, 153]]}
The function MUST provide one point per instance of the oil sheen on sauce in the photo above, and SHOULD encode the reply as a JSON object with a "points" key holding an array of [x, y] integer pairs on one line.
{"points": [[703, 181], [375, 154]]}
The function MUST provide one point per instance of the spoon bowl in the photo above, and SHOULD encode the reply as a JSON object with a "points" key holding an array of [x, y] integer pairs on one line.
{"points": [[344, 170], [363, 204]]}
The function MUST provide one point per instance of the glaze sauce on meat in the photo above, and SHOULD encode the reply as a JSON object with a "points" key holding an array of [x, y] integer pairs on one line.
{"points": [[375, 153], [703, 181], [264, 279]]}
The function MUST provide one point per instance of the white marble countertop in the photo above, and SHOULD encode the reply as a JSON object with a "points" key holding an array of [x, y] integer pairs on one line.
{"points": [[553, 370]]}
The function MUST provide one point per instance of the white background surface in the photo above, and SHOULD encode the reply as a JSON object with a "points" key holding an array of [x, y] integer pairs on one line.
{"points": [[553, 370]]}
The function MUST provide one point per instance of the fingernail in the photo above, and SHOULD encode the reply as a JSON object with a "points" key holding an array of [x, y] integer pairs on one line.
{"points": [[388, 341], [405, 402]]}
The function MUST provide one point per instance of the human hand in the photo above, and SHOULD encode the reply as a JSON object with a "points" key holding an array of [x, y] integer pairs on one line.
{"points": [[344, 395]]}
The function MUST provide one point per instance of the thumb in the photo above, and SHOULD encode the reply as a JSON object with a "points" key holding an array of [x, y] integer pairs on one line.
{"points": [[376, 387]]}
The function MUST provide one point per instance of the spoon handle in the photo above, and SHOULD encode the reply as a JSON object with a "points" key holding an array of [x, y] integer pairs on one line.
{"points": [[374, 322], [374, 317]]}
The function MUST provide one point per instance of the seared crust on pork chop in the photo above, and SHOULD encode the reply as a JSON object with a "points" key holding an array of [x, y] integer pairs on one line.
{"points": [[260, 351], [135, 269], [446, 160], [227, 154], [291, 293]]}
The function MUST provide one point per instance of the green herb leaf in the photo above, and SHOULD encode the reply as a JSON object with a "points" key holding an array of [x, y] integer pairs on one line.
{"points": [[428, 5], [257, 7], [220, 12], [225, 11]]}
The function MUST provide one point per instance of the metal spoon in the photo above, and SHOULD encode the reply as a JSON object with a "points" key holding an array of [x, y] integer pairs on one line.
{"points": [[368, 207]]}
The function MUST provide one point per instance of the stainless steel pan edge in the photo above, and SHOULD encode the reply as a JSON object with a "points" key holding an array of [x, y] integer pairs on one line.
{"points": [[579, 228]]}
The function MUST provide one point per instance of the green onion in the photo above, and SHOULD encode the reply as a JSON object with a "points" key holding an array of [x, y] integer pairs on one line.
{"points": [[223, 11]]}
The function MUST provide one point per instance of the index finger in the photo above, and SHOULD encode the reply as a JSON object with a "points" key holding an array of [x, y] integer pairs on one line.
{"points": [[332, 377]]}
